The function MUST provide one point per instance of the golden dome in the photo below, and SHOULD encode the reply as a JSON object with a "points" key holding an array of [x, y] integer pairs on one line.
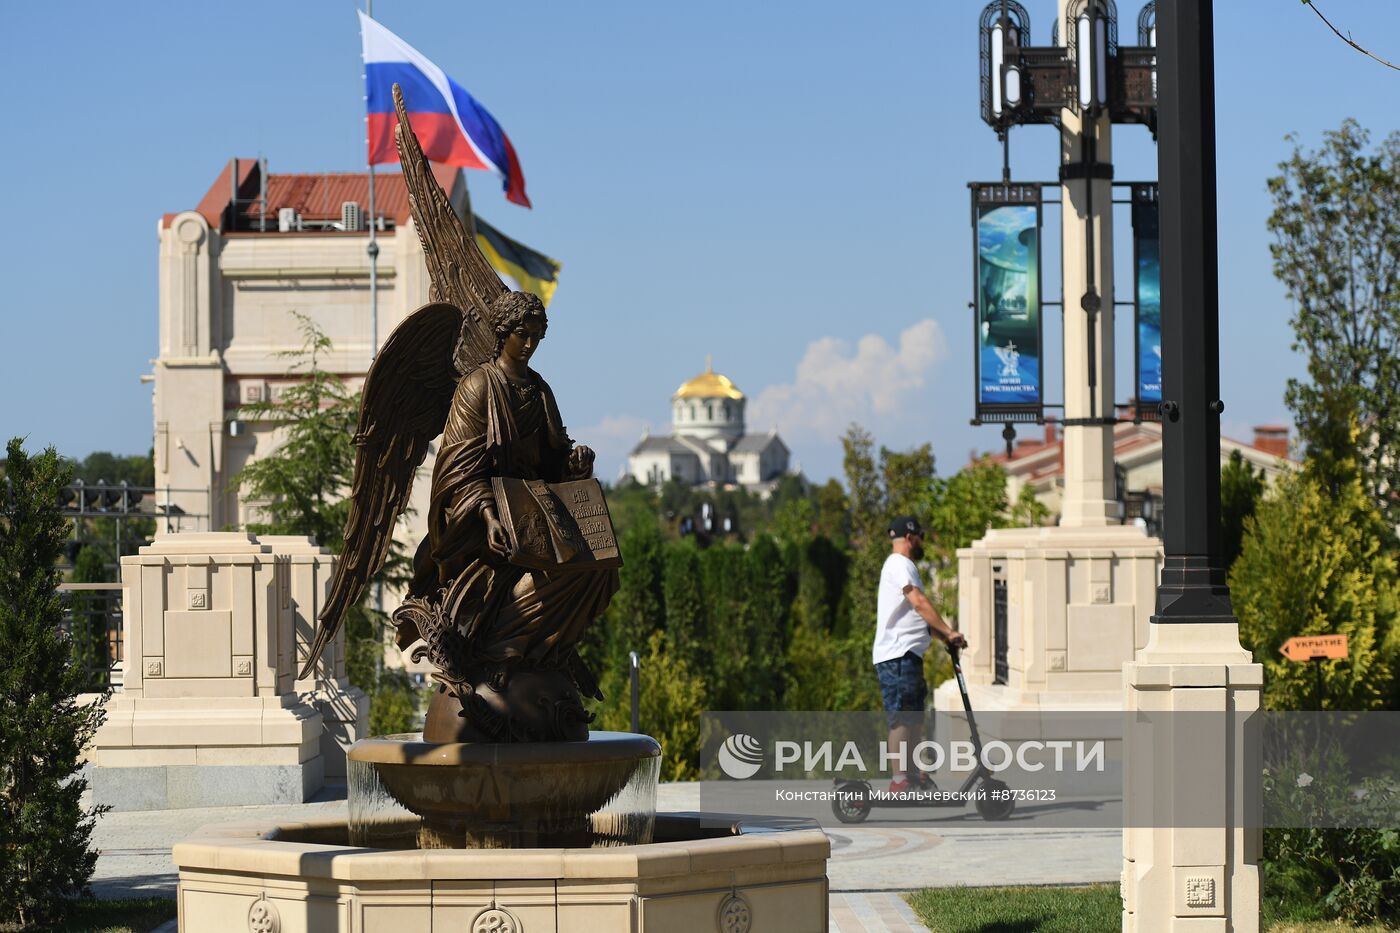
{"points": [[709, 384]]}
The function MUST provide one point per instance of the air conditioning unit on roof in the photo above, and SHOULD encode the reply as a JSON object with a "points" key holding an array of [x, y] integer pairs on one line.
{"points": [[351, 217]]}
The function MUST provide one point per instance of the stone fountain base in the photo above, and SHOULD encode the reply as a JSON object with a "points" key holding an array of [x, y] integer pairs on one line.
{"points": [[696, 876]]}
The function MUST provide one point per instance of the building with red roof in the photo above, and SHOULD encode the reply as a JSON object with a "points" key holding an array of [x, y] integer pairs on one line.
{"points": [[1137, 453], [236, 270]]}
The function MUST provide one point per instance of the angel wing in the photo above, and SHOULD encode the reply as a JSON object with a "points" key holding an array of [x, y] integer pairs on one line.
{"points": [[457, 270], [407, 396]]}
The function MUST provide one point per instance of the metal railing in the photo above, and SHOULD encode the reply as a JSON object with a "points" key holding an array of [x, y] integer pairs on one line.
{"points": [[92, 620]]}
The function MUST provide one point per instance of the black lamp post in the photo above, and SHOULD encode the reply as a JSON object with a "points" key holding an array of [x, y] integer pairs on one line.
{"points": [[1193, 587]]}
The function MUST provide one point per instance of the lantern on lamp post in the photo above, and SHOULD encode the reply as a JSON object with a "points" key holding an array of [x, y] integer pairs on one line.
{"points": [[1004, 29], [1093, 42]]}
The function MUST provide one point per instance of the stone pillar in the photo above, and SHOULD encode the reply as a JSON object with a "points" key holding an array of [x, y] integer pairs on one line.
{"points": [[1078, 602], [344, 708], [208, 714], [1087, 229], [189, 376], [1190, 848]]}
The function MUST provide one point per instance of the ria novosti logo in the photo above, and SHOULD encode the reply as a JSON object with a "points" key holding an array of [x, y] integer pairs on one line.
{"points": [[740, 756]]}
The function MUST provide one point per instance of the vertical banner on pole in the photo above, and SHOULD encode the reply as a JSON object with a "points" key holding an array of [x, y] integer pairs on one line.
{"points": [[1147, 297], [1006, 235]]}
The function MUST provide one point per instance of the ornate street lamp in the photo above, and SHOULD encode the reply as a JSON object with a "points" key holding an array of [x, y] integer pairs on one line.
{"points": [[1003, 29], [1093, 41], [1025, 84]]}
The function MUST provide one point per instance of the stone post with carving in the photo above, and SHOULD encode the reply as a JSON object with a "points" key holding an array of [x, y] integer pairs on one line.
{"points": [[210, 713]]}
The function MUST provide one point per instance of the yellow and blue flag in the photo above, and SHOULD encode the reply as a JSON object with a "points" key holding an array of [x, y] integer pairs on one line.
{"points": [[520, 267]]}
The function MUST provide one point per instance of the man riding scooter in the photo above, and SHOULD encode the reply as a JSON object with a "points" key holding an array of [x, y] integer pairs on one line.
{"points": [[904, 628]]}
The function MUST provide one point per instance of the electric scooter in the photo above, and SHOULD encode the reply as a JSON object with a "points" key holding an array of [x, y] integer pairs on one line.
{"points": [[856, 798]]}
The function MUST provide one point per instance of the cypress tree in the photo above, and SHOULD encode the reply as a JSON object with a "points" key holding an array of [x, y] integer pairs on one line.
{"points": [[765, 617], [1241, 488], [684, 595], [638, 608], [45, 834]]}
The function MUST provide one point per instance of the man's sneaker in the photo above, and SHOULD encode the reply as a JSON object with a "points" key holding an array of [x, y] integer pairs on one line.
{"points": [[901, 786], [923, 782]]}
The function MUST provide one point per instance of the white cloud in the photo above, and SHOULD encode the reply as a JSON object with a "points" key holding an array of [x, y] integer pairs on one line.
{"points": [[612, 439], [836, 385]]}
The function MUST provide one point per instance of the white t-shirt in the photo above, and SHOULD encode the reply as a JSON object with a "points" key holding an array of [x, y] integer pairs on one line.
{"points": [[898, 628]]}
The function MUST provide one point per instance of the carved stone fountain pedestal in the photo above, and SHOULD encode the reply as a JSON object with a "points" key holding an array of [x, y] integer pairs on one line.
{"points": [[304, 878]]}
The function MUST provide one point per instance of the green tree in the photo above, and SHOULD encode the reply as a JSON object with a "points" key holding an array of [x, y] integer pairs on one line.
{"points": [[684, 596], [1336, 227], [795, 520], [638, 608], [133, 469], [1315, 564], [822, 570], [90, 566], [833, 511], [670, 700], [109, 538], [301, 488], [630, 504], [1027, 511], [764, 617], [961, 508], [1241, 488], [824, 672], [898, 484], [864, 489], [908, 476], [726, 633], [46, 857]]}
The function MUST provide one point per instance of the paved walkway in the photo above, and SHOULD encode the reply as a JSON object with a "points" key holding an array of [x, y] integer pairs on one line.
{"points": [[872, 913], [869, 862]]}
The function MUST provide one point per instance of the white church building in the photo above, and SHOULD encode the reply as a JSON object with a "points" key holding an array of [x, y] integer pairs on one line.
{"points": [[708, 443]]}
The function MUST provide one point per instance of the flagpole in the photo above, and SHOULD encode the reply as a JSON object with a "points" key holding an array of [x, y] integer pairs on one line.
{"points": [[373, 248]]}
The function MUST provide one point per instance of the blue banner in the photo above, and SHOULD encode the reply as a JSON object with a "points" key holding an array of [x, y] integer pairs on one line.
{"points": [[1008, 309], [1147, 275]]}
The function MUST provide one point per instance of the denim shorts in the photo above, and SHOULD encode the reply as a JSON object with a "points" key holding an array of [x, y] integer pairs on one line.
{"points": [[903, 689]]}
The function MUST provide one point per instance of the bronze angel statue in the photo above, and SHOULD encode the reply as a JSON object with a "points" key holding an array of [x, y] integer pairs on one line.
{"points": [[500, 629]]}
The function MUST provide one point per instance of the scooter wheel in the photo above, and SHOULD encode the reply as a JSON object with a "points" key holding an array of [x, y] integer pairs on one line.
{"points": [[850, 804], [991, 806]]}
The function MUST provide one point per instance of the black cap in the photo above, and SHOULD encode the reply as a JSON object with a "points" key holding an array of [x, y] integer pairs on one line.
{"points": [[905, 525]]}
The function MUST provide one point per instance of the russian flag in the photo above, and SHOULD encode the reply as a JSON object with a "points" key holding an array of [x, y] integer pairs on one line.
{"points": [[452, 127]]}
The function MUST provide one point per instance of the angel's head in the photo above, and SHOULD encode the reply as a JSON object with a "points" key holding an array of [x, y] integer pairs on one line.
{"points": [[520, 315]]}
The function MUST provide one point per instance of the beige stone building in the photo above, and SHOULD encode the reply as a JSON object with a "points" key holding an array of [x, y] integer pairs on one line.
{"points": [[257, 249], [1137, 455]]}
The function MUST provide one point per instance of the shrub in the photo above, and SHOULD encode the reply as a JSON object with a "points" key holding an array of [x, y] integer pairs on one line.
{"points": [[1350, 874], [45, 856], [1315, 563]]}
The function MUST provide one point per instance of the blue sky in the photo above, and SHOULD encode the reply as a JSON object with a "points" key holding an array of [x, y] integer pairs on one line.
{"points": [[782, 185]]}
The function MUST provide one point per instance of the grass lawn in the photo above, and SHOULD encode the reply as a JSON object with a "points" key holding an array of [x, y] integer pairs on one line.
{"points": [[1089, 909], [121, 916]]}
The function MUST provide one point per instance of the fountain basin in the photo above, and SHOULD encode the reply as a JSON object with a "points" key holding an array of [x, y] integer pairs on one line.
{"points": [[407, 793], [699, 875]]}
